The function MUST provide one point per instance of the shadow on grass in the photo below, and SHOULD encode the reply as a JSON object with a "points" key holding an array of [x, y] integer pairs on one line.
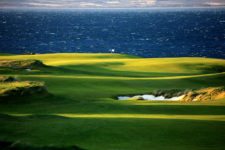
{"points": [[91, 70], [59, 104], [115, 133], [103, 70]]}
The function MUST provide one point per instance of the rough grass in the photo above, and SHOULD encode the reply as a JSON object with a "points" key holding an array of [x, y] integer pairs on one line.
{"points": [[83, 111]]}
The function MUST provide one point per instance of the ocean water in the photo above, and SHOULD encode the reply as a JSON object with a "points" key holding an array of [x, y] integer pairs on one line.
{"points": [[146, 33]]}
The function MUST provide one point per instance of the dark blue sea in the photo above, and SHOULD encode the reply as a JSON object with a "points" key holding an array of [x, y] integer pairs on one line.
{"points": [[142, 32]]}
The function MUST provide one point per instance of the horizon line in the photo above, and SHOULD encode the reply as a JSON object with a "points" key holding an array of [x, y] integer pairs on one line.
{"points": [[153, 7]]}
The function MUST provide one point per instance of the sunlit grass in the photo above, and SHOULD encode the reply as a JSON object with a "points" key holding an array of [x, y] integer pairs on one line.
{"points": [[135, 116], [125, 62]]}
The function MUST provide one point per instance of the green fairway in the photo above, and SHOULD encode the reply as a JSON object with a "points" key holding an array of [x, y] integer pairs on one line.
{"points": [[82, 109]]}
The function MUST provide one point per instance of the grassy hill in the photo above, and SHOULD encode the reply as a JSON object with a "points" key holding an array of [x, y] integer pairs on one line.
{"points": [[82, 109]]}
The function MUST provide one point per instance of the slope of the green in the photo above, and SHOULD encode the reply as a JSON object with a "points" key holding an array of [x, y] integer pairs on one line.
{"points": [[82, 109]]}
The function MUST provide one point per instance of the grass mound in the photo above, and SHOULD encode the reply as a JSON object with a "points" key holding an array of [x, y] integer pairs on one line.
{"points": [[22, 64], [7, 79], [21, 88], [205, 94]]}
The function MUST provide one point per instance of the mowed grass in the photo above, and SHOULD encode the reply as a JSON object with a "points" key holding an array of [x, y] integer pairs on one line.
{"points": [[82, 109]]}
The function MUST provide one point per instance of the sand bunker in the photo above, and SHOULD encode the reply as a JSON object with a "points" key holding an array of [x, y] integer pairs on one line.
{"points": [[205, 94], [150, 98]]}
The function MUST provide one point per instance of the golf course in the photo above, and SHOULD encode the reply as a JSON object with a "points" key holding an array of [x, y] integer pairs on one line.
{"points": [[81, 107]]}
